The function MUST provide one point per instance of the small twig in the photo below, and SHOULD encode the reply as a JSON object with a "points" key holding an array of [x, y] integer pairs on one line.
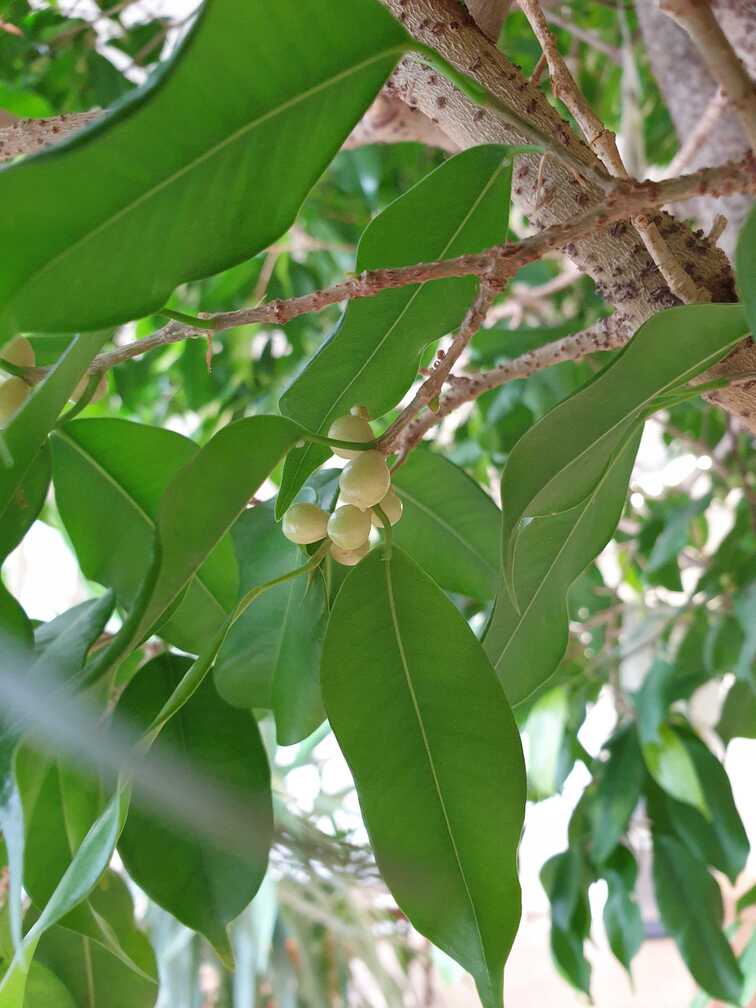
{"points": [[591, 40], [602, 142], [538, 70], [698, 135], [717, 229], [697, 19], [522, 296]]}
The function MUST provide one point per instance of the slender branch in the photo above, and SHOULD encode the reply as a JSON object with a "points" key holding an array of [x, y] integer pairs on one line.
{"points": [[591, 40], [602, 142], [698, 135], [698, 20]]}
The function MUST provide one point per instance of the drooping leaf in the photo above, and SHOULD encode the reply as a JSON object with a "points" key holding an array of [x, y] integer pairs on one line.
{"points": [[738, 718], [619, 783], [450, 527], [372, 357], [202, 885], [564, 879], [208, 193], [671, 765], [565, 483], [22, 507], [436, 759], [622, 916], [271, 656], [197, 509], [690, 905], [112, 474], [22, 440]]}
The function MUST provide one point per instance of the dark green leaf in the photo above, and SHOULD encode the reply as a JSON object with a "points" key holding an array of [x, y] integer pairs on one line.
{"points": [[436, 759], [690, 905], [738, 718], [619, 783], [112, 474], [200, 884], [372, 357], [622, 916], [271, 656], [450, 527], [208, 193], [564, 879]]}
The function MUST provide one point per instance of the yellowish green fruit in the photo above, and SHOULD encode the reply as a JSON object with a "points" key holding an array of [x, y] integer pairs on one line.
{"points": [[13, 394], [392, 507], [365, 480], [305, 523], [99, 392], [350, 428], [349, 527], [19, 352], [349, 558]]}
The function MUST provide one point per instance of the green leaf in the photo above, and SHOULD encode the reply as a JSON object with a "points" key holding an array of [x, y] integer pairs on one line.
{"points": [[690, 905], [436, 759], [545, 727], [45, 988], [23, 438], [564, 879], [673, 769], [622, 916], [449, 527], [112, 474], [738, 718], [197, 509], [565, 482], [618, 790], [745, 609], [745, 267], [372, 357], [208, 192], [202, 885], [22, 507], [271, 656]]}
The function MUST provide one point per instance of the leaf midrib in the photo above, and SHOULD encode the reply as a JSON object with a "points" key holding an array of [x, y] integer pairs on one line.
{"points": [[195, 162], [135, 505], [429, 755]]}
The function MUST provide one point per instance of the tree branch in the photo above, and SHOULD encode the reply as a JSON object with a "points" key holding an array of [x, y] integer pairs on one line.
{"points": [[28, 136]]}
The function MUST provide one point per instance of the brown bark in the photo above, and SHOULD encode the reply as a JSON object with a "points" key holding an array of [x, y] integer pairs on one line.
{"points": [[613, 256], [389, 120]]}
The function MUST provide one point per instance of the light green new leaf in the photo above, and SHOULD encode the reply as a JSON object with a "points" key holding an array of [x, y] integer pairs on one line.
{"points": [[545, 727], [111, 473], [23, 438], [271, 656], [449, 527], [372, 357], [436, 758], [673, 769], [202, 885], [690, 904], [45, 988], [565, 483], [199, 506], [105, 226]]}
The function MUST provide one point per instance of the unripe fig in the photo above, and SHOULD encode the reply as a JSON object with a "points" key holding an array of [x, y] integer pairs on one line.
{"points": [[13, 394], [349, 558], [349, 527], [19, 352], [350, 428], [305, 523], [365, 480], [392, 507], [99, 392]]}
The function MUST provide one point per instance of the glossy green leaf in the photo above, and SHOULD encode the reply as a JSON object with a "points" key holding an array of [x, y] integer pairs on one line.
{"points": [[372, 357], [271, 656], [745, 266], [690, 905], [436, 758], [618, 790], [449, 526], [199, 506], [738, 718], [673, 769], [202, 885], [565, 482], [112, 474], [22, 440], [208, 193], [622, 916], [22, 507]]}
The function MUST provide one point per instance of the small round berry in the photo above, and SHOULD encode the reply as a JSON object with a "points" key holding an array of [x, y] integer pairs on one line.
{"points": [[349, 527], [350, 428], [99, 393], [349, 558], [365, 480], [360, 411], [13, 394], [19, 352], [305, 523], [392, 507]]}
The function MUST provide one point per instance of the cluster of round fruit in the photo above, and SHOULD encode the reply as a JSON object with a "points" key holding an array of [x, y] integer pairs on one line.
{"points": [[14, 390], [364, 484]]}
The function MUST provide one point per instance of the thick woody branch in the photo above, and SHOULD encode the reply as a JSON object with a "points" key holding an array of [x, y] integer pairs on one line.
{"points": [[28, 136], [489, 15], [698, 20]]}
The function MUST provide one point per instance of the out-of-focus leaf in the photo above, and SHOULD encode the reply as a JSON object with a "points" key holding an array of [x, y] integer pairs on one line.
{"points": [[618, 790], [738, 718], [545, 729], [22, 507], [622, 916], [563, 878], [745, 266], [672, 767]]}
